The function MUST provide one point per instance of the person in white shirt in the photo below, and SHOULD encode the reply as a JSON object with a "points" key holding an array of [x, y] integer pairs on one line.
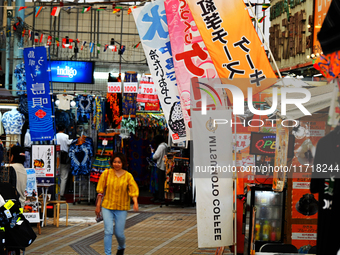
{"points": [[64, 142], [158, 155]]}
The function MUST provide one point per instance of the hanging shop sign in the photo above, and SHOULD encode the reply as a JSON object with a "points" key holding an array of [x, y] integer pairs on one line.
{"points": [[130, 87], [114, 87], [31, 208], [38, 94], [304, 236], [72, 71], [213, 170], [265, 144], [238, 55], [43, 160], [153, 31], [191, 57]]}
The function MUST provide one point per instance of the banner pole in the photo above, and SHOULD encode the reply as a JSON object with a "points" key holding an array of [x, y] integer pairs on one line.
{"points": [[264, 39], [235, 189]]}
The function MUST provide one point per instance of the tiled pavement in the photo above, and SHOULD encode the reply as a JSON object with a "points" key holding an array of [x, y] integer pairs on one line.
{"points": [[153, 230]]}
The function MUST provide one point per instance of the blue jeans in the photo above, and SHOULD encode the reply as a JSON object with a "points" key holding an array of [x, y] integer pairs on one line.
{"points": [[119, 218]]}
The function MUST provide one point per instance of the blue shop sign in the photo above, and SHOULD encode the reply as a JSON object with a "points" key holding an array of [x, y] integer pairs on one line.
{"points": [[72, 71]]}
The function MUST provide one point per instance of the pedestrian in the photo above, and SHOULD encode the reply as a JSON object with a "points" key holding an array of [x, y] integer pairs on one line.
{"points": [[17, 173], [115, 187], [64, 142], [158, 155]]}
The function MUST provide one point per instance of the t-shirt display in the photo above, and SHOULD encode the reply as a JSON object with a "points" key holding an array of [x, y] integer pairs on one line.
{"points": [[64, 101], [12, 122]]}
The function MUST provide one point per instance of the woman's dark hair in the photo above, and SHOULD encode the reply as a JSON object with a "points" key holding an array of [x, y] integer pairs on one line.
{"points": [[18, 154], [158, 139], [122, 158], [61, 128]]}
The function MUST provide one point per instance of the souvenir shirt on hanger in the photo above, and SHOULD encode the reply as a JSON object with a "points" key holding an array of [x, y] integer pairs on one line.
{"points": [[84, 103], [64, 101], [12, 122]]}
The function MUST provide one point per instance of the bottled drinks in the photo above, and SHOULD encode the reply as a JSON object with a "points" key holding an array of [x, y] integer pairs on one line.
{"points": [[257, 230], [273, 232], [265, 231], [278, 234]]}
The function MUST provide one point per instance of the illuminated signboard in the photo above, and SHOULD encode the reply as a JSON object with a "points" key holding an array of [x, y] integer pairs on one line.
{"points": [[264, 144], [72, 71]]}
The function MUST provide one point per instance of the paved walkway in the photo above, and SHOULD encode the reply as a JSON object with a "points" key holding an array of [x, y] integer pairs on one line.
{"points": [[153, 230]]}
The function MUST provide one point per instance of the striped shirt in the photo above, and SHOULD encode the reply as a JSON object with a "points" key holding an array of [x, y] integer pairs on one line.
{"points": [[118, 190]]}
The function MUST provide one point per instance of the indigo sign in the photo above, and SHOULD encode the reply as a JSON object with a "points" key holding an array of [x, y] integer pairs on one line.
{"points": [[72, 71]]}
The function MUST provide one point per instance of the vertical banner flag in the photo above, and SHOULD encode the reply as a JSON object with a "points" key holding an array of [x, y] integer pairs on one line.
{"points": [[213, 165], [38, 94], [233, 44], [55, 11], [153, 30], [214, 185], [190, 56]]}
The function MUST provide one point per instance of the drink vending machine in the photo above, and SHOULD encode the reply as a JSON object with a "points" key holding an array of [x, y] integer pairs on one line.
{"points": [[269, 217]]}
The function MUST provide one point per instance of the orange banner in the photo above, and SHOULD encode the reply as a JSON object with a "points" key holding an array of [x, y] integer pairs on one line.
{"points": [[320, 10], [233, 44]]}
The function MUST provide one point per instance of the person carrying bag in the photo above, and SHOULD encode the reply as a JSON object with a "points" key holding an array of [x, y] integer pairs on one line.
{"points": [[119, 186]]}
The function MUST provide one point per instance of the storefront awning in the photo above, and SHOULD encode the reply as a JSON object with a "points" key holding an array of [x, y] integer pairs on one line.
{"points": [[320, 99]]}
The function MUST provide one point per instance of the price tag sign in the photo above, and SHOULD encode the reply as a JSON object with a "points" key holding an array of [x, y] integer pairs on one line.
{"points": [[178, 178], [130, 87], [148, 89], [104, 143], [114, 87]]}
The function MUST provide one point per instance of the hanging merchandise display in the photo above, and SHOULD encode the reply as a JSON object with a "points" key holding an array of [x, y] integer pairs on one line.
{"points": [[66, 118], [113, 116], [129, 99], [64, 101], [23, 105], [147, 99], [97, 115], [20, 75], [158, 53], [81, 153], [130, 124], [99, 165], [84, 105], [151, 120]]}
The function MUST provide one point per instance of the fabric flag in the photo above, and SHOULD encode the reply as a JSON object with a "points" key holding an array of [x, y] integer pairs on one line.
{"points": [[136, 46], [122, 49], [190, 56], [41, 38], [117, 9], [49, 40], [30, 35], [105, 47], [63, 42], [114, 49], [23, 32], [38, 10], [153, 30], [36, 37], [55, 11], [83, 45], [91, 46], [98, 48], [57, 41], [252, 4], [252, 19], [15, 25], [130, 9], [237, 54], [265, 7], [102, 8], [86, 9], [261, 19], [22, 8]]}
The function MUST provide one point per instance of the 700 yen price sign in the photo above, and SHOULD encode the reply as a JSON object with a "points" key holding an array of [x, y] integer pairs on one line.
{"points": [[114, 87], [148, 89], [130, 87]]}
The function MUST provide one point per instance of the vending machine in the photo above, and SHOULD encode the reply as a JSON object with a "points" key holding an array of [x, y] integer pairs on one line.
{"points": [[267, 219]]}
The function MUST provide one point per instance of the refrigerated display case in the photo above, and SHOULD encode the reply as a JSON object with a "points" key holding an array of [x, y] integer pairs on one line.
{"points": [[269, 217]]}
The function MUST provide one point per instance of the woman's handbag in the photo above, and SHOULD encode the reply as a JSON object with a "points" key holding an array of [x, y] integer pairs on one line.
{"points": [[99, 217]]}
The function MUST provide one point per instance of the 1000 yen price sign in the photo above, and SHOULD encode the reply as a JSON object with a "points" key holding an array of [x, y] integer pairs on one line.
{"points": [[114, 87], [130, 87], [178, 178]]}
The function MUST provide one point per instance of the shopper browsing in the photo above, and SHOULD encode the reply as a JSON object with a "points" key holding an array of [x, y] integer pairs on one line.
{"points": [[17, 173], [64, 142], [159, 155], [119, 186]]}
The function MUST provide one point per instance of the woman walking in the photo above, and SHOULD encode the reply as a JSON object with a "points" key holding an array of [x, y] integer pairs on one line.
{"points": [[115, 187]]}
